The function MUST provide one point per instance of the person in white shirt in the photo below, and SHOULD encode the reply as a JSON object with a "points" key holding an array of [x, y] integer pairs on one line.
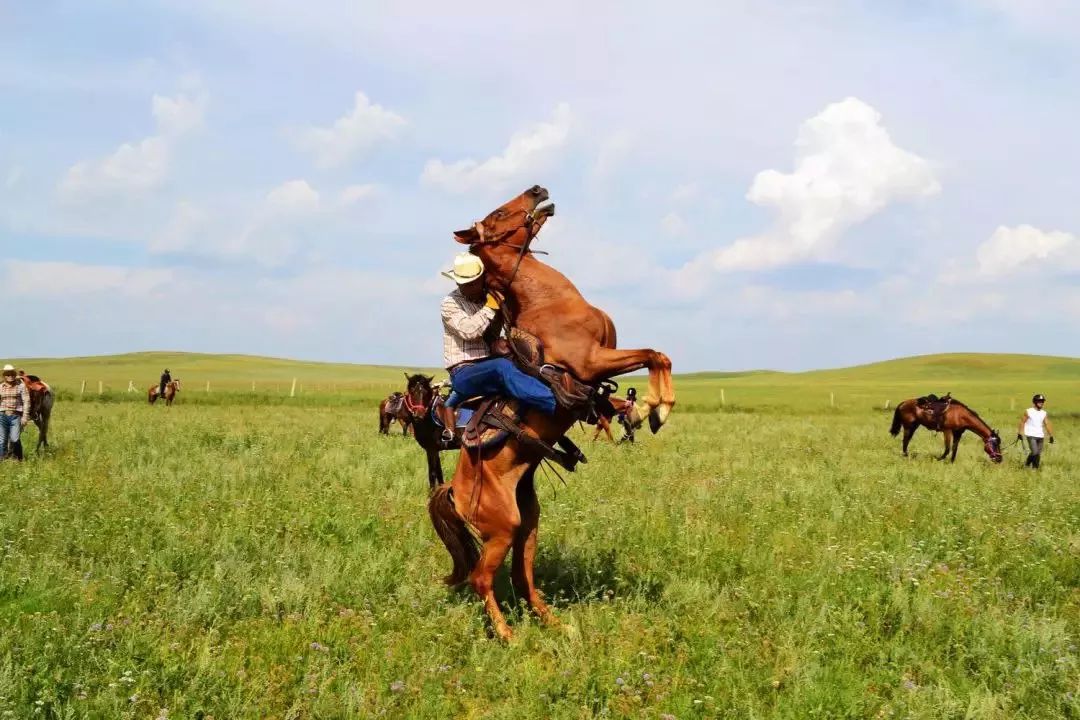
{"points": [[1035, 426]]}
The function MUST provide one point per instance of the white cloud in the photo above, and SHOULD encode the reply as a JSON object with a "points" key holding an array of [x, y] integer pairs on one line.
{"points": [[357, 193], [364, 127], [54, 279], [685, 193], [1052, 17], [673, 224], [528, 152], [180, 114], [614, 151], [188, 226], [295, 197], [1010, 249], [140, 166], [846, 170]]}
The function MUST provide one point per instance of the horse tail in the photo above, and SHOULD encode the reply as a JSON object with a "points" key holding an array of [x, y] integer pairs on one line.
{"points": [[896, 422], [455, 535]]}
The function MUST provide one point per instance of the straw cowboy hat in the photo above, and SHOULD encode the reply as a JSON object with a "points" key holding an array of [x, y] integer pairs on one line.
{"points": [[467, 267], [9, 369]]}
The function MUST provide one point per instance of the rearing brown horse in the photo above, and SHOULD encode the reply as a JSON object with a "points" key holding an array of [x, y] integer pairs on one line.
{"points": [[949, 416], [493, 493]]}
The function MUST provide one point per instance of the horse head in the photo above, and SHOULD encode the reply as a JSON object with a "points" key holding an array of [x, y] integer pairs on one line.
{"points": [[515, 222], [419, 394], [992, 446]]}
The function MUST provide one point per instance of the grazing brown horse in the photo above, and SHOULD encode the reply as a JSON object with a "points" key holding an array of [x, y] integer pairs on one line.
{"points": [[949, 416], [394, 408], [171, 388], [492, 496]]}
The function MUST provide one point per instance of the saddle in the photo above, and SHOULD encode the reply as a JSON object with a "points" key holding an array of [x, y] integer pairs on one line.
{"points": [[486, 422], [394, 403], [933, 408], [527, 352], [37, 389]]}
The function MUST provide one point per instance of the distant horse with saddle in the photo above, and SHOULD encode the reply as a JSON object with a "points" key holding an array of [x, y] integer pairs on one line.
{"points": [[948, 416], [41, 405], [395, 409], [625, 412], [490, 508], [171, 388]]}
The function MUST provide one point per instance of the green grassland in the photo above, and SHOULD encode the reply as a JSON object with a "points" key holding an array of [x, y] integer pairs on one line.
{"points": [[244, 554]]}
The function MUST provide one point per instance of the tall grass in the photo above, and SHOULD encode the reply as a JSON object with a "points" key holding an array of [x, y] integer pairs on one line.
{"points": [[256, 560]]}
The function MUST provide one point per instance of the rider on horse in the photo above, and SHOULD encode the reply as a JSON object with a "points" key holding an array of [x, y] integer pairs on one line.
{"points": [[468, 313], [166, 378]]}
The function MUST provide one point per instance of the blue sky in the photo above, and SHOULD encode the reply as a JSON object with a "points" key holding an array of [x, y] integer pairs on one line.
{"points": [[742, 184]]}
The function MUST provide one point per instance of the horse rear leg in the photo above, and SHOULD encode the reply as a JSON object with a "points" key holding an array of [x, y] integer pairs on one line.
{"points": [[521, 568], [948, 435], [956, 443], [485, 495], [434, 469], [604, 363], [908, 432], [602, 424]]}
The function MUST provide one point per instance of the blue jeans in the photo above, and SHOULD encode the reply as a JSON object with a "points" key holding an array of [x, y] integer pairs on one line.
{"points": [[10, 429], [500, 376]]}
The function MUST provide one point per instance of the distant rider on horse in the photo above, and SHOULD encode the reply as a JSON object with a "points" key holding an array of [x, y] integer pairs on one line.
{"points": [[468, 313], [166, 378]]}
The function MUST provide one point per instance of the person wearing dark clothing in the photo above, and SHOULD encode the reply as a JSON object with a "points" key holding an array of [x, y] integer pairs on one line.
{"points": [[624, 416], [166, 378]]}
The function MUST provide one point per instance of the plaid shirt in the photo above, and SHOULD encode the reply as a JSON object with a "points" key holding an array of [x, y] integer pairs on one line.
{"points": [[464, 323], [15, 399]]}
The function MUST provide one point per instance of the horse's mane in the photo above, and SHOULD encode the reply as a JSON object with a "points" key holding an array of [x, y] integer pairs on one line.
{"points": [[972, 411]]}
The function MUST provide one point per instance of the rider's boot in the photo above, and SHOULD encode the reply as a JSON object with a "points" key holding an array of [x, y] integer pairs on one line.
{"points": [[449, 421], [16, 449]]}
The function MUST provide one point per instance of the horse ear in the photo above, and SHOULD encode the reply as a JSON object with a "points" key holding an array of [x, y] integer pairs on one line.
{"points": [[430, 378], [468, 236], [405, 374]]}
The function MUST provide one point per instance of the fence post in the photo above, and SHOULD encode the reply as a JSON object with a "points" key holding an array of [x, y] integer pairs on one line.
{"points": [[207, 387], [832, 400], [100, 387], [292, 393], [82, 388], [886, 404], [722, 400], [252, 386]]}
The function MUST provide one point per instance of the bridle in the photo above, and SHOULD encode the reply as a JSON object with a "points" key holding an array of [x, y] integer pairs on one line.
{"points": [[523, 249], [418, 410]]}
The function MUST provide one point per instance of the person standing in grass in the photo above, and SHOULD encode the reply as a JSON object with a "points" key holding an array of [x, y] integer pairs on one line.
{"points": [[1035, 426], [14, 412]]}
